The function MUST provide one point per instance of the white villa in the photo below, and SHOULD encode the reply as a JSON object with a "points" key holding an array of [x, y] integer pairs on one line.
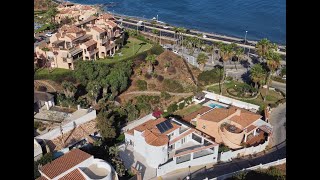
{"points": [[168, 145]]}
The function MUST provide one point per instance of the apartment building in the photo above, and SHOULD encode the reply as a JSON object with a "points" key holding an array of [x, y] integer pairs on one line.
{"points": [[91, 39]]}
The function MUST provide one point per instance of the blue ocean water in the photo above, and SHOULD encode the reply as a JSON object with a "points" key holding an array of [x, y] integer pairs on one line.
{"points": [[261, 18]]}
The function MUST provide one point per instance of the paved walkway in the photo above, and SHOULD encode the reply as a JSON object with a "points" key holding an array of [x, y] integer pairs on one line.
{"points": [[158, 93]]}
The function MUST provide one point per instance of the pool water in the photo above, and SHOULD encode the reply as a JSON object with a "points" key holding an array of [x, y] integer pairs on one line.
{"points": [[212, 105]]}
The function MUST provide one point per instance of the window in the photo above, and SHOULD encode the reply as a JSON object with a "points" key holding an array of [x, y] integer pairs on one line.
{"points": [[64, 59], [183, 140]]}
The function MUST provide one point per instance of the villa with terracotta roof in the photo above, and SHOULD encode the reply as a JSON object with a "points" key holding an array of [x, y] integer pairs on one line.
{"points": [[232, 126], [89, 40], [168, 144], [77, 165]]}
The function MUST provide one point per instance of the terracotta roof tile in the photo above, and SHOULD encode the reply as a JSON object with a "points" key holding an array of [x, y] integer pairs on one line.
{"points": [[73, 175], [70, 29], [106, 16], [251, 127], [218, 114], [245, 118], [193, 115], [152, 134], [112, 24], [99, 30], [81, 132], [70, 36], [64, 163], [90, 42]]}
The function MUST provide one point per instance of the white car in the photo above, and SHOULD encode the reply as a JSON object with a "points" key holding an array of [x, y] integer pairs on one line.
{"points": [[48, 34], [174, 51], [166, 27], [204, 36]]}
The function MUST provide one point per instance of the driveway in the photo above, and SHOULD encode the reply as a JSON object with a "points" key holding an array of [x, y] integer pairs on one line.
{"points": [[277, 120]]}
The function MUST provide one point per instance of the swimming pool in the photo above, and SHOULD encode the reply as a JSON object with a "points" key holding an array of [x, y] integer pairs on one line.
{"points": [[213, 105]]}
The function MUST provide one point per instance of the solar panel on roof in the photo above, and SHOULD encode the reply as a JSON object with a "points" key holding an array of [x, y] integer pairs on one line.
{"points": [[164, 126], [160, 128]]}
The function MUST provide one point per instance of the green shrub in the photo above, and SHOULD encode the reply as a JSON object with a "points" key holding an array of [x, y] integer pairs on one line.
{"points": [[142, 85], [229, 78], [120, 138], [182, 105], [36, 124], [172, 86], [165, 95], [223, 148], [172, 108], [210, 77], [156, 49]]}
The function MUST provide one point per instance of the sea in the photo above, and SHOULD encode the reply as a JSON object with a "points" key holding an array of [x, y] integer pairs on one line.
{"points": [[260, 18]]}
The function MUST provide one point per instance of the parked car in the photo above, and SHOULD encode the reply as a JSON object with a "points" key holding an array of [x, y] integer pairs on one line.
{"points": [[48, 34], [175, 51], [204, 36]]}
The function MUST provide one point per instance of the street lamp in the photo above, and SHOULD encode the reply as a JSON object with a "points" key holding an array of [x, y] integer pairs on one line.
{"points": [[245, 40]]}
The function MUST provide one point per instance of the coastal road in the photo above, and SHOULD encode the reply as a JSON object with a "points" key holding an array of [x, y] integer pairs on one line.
{"points": [[277, 120], [210, 37], [278, 85], [276, 153]]}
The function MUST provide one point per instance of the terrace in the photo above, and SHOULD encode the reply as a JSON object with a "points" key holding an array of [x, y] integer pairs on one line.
{"points": [[97, 170]]}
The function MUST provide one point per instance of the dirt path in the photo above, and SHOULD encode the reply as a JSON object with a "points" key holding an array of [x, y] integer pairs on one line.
{"points": [[158, 93], [49, 87]]}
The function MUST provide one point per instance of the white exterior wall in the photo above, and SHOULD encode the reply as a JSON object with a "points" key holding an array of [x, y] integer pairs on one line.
{"points": [[227, 156], [68, 127], [156, 155], [172, 166]]}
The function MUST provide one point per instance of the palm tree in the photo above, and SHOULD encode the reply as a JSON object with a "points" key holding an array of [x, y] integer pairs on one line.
{"points": [[273, 62], [209, 49], [226, 52], [151, 59], [263, 47], [202, 59], [114, 151], [258, 75], [238, 52]]}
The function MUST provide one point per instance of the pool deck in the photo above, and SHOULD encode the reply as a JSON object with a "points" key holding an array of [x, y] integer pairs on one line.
{"points": [[216, 103]]}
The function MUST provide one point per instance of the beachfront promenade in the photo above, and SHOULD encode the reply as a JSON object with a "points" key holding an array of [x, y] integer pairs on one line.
{"points": [[131, 23]]}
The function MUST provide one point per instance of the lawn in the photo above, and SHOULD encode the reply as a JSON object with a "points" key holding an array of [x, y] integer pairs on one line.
{"points": [[272, 97], [57, 74], [133, 47], [188, 110]]}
